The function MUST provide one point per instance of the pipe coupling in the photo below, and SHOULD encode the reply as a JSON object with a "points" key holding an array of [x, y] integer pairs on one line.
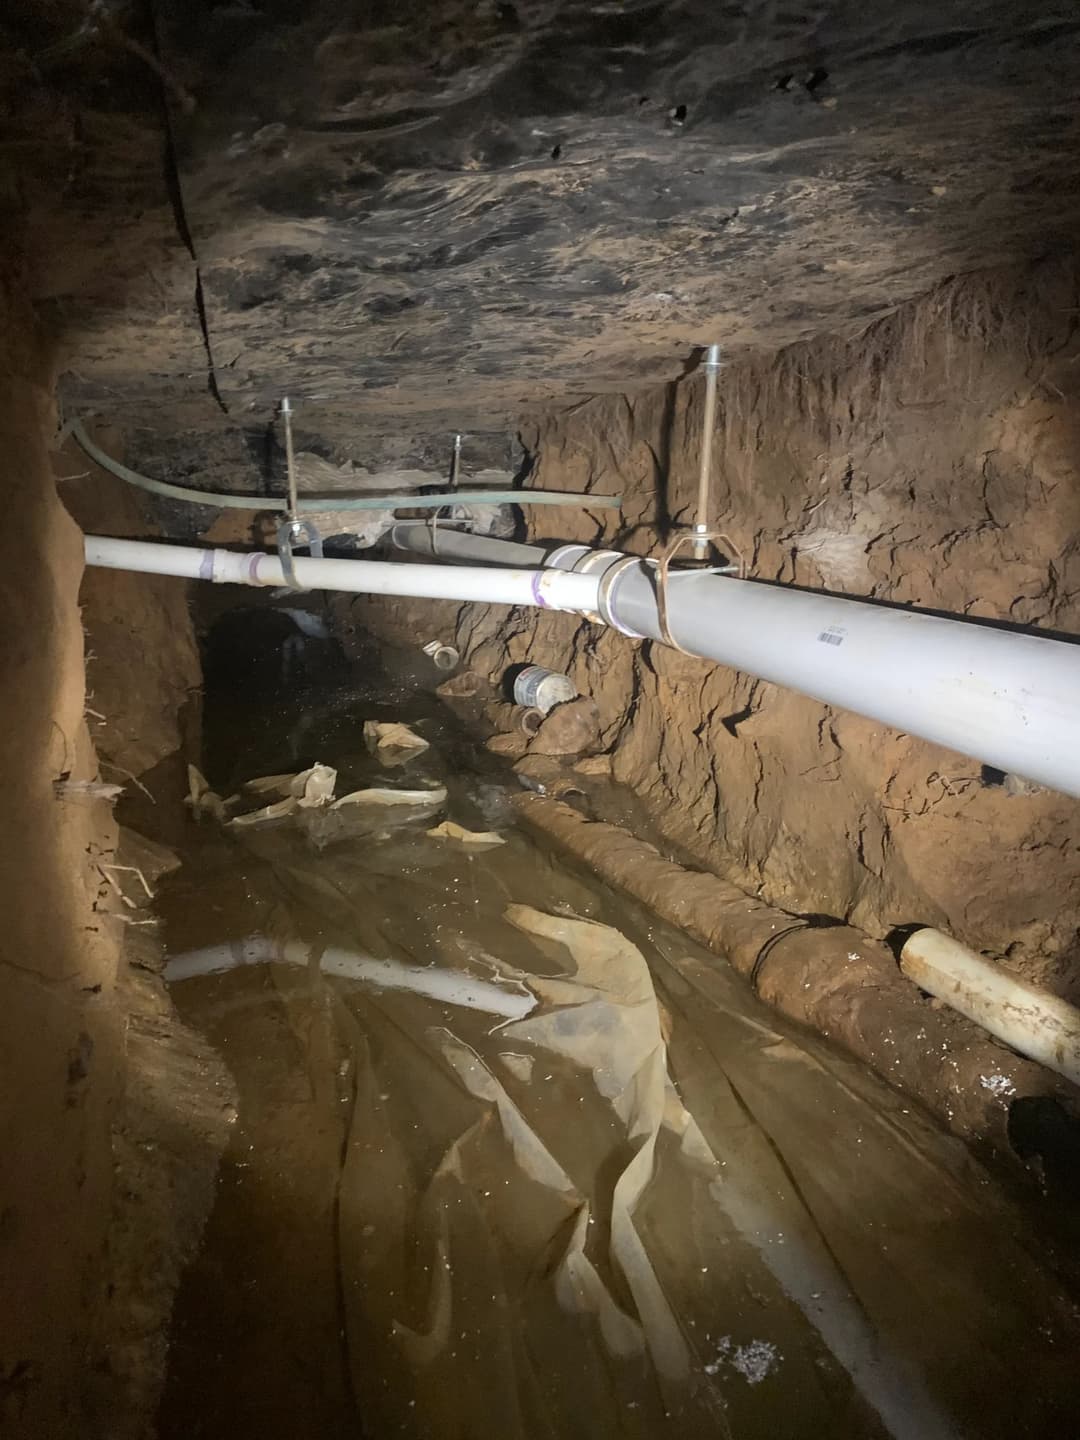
{"points": [[606, 595]]}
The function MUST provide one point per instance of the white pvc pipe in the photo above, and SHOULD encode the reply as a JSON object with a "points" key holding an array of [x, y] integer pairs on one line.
{"points": [[216, 959], [1006, 698], [441, 543], [1030, 1020], [450, 987], [548, 589]]}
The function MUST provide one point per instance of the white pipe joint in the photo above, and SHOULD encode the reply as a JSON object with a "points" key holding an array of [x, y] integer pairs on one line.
{"points": [[1006, 698], [545, 589], [592, 562]]}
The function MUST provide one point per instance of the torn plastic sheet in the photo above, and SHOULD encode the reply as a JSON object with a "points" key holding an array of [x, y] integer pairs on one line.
{"points": [[393, 742], [381, 797], [307, 800], [314, 786], [471, 839], [605, 1017], [376, 810], [288, 795]]}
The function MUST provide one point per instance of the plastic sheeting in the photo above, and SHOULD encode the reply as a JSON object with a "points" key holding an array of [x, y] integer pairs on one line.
{"points": [[647, 1208], [547, 1229]]}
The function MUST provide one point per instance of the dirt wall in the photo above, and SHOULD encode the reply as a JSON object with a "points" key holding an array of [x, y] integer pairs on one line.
{"points": [[173, 1102], [935, 461], [59, 1036], [111, 1113], [142, 660]]}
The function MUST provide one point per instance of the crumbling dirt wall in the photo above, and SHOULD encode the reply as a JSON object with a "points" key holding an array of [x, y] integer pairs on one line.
{"points": [[59, 1036], [935, 461], [111, 1113], [173, 1099], [143, 669]]}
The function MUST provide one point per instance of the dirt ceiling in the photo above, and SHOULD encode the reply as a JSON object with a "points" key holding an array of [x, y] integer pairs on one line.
{"points": [[420, 218]]}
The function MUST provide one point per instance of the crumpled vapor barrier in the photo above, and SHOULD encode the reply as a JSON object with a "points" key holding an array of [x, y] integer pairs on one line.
{"points": [[646, 1208], [623, 1281]]}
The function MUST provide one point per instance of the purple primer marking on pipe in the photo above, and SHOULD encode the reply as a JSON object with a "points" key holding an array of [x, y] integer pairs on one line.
{"points": [[253, 569], [206, 565], [537, 593]]}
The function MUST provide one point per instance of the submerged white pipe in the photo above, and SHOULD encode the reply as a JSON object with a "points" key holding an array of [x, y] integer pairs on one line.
{"points": [[548, 589], [450, 987], [1030, 1020]]}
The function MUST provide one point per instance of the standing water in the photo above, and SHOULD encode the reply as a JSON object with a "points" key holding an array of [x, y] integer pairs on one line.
{"points": [[634, 1203]]}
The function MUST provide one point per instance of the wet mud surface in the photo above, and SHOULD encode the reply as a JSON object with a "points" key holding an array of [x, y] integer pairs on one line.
{"points": [[434, 1223]]}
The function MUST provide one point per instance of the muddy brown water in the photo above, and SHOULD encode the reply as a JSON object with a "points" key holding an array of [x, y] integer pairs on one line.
{"points": [[392, 1247]]}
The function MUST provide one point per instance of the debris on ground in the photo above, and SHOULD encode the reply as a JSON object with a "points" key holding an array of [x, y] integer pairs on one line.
{"points": [[201, 800], [392, 741], [594, 765], [568, 729], [462, 686], [375, 810], [276, 785], [477, 839], [754, 1361], [308, 797], [380, 795], [513, 743], [443, 657], [267, 815], [545, 775], [314, 786], [86, 790]]}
